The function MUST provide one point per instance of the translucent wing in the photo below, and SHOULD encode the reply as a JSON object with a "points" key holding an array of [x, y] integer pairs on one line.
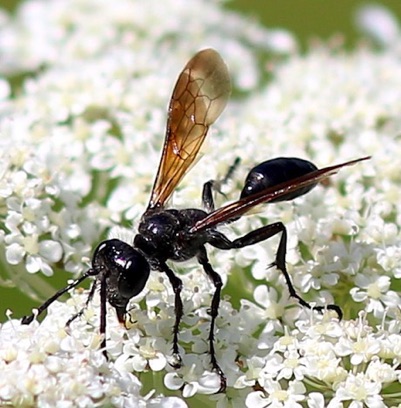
{"points": [[234, 210], [199, 97]]}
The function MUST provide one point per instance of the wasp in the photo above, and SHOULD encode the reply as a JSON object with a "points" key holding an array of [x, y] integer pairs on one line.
{"points": [[121, 269]]}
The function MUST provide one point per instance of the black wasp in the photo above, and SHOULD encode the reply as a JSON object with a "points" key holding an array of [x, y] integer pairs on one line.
{"points": [[121, 270]]}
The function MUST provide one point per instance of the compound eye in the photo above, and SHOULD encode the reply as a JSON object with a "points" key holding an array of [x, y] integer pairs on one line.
{"points": [[134, 274]]}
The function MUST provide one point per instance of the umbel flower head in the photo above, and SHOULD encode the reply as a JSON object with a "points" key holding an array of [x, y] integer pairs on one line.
{"points": [[81, 134]]}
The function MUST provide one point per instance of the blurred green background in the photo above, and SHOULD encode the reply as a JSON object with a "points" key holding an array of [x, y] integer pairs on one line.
{"points": [[307, 19]]}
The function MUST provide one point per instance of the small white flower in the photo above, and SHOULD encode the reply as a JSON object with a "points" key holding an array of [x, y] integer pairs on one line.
{"points": [[374, 291], [191, 382], [291, 366], [267, 297], [319, 360], [361, 391], [380, 372], [276, 396], [288, 341], [389, 258], [361, 350]]}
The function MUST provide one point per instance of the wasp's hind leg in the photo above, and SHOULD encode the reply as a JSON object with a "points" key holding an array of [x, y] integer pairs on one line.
{"points": [[220, 241]]}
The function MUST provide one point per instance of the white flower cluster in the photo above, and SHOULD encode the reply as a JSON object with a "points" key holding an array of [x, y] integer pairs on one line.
{"points": [[48, 367], [80, 139], [348, 361]]}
